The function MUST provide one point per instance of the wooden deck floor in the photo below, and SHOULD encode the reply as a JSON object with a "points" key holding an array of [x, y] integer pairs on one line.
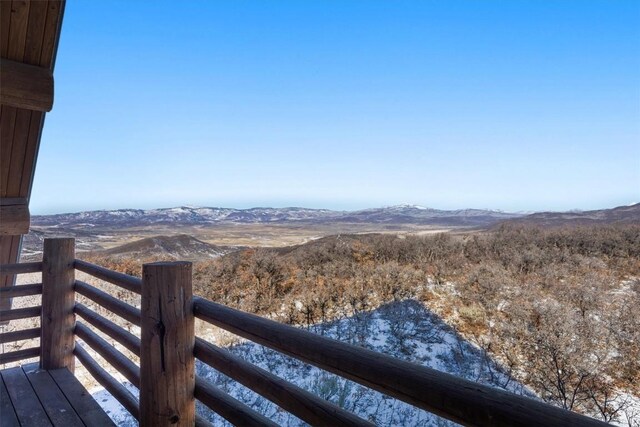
{"points": [[32, 397]]}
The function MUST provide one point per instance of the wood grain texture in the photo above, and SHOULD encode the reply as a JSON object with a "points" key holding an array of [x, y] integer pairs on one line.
{"points": [[52, 27], [53, 401], [126, 338], [31, 151], [166, 357], [7, 128], [5, 26], [35, 33], [130, 283], [24, 399], [116, 306], [14, 220], [58, 298], [18, 30], [26, 86], [8, 414], [83, 403]]}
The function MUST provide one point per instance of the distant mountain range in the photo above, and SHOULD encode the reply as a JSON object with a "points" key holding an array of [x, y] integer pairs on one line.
{"points": [[620, 215], [402, 214], [392, 215]]}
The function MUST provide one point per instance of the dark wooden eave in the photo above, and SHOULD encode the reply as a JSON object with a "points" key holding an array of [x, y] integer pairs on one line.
{"points": [[29, 34]]}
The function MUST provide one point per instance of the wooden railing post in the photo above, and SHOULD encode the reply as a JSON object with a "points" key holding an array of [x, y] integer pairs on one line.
{"points": [[167, 377], [57, 320]]}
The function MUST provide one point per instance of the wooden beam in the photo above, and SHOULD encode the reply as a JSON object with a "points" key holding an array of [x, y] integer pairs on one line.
{"points": [[14, 219], [234, 411], [127, 339], [167, 364], [24, 334], [58, 298], [112, 304], [130, 283], [25, 86], [122, 363], [20, 268], [15, 356]]}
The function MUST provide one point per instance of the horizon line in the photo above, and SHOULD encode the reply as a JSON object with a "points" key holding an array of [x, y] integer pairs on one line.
{"points": [[407, 205]]}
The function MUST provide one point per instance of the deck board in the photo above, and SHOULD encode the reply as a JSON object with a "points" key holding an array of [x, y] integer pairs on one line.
{"points": [[83, 403], [24, 399], [31, 397], [9, 417], [53, 401]]}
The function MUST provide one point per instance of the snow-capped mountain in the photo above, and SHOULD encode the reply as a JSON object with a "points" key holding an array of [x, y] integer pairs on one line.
{"points": [[402, 214]]}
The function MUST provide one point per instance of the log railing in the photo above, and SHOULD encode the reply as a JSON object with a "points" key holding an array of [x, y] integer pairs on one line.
{"points": [[165, 377], [6, 295]]}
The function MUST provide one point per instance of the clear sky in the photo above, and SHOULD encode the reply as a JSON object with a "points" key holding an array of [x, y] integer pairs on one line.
{"points": [[513, 105]]}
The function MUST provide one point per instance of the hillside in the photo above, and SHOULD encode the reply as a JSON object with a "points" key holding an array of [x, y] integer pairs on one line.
{"points": [[615, 216], [178, 247]]}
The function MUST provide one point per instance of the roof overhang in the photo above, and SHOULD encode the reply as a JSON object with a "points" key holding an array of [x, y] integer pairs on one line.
{"points": [[29, 35]]}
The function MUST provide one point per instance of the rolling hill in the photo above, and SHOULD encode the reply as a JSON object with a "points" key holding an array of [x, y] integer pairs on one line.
{"points": [[178, 247]]}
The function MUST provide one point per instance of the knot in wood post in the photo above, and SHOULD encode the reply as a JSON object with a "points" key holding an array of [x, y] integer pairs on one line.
{"points": [[58, 298], [167, 377]]}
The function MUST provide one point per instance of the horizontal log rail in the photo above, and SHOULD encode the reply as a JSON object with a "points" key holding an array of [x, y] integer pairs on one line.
{"points": [[130, 283], [124, 337], [113, 304], [16, 356], [111, 384], [304, 405], [123, 364], [20, 291], [443, 394], [232, 410], [25, 334], [20, 268], [20, 313]]}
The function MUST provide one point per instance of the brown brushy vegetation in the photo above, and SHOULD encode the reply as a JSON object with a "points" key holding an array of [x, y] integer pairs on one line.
{"points": [[556, 307]]}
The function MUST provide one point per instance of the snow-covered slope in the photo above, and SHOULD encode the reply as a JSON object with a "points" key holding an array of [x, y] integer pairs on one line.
{"points": [[406, 330]]}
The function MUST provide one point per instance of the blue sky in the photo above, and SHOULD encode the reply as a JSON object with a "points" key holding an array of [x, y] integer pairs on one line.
{"points": [[518, 105]]}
